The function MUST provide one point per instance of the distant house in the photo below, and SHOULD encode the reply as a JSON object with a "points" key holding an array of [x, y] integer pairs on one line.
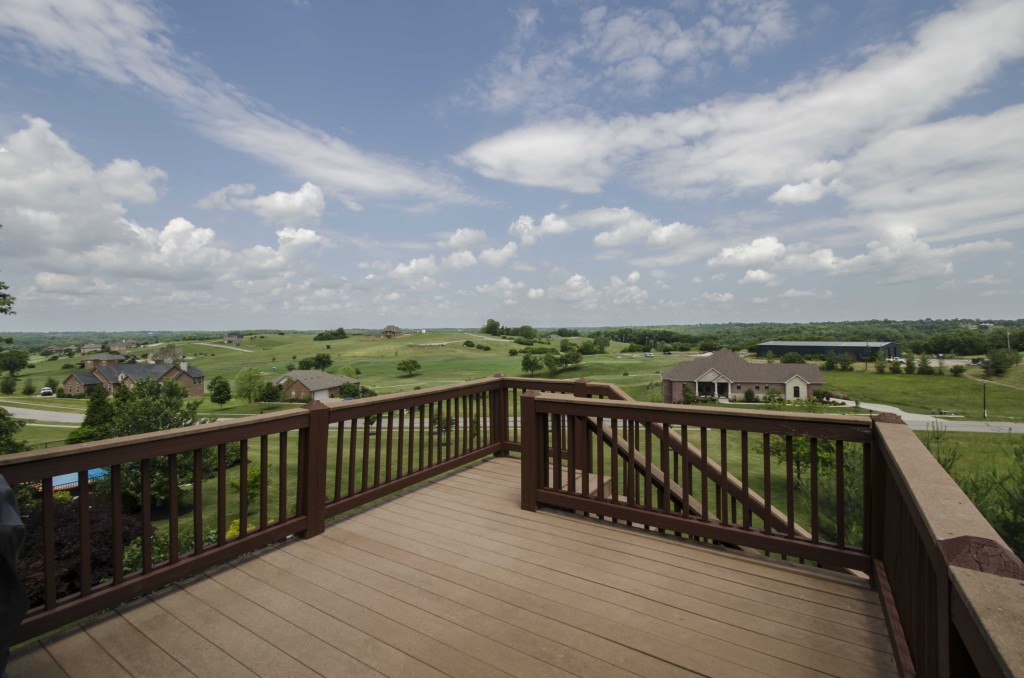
{"points": [[91, 348], [233, 338], [52, 350], [124, 345], [166, 355], [311, 384], [101, 359], [112, 377], [724, 374], [860, 350], [390, 332]]}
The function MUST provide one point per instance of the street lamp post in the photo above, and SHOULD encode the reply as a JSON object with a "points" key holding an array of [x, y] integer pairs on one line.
{"points": [[984, 399]]}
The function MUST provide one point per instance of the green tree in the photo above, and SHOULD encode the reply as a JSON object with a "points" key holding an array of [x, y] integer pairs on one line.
{"points": [[248, 383], [321, 361], [792, 358], [492, 327], [845, 362], [769, 356], [9, 427], [96, 424], [328, 335], [269, 393], [220, 390], [911, 366], [152, 406], [879, 363], [8, 384], [1000, 360], [29, 387], [13, 361], [409, 366], [774, 399], [531, 363]]}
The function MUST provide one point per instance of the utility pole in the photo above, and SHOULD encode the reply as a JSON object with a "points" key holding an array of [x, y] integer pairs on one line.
{"points": [[984, 399]]}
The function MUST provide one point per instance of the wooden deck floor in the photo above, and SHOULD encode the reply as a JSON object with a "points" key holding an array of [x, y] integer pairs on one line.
{"points": [[453, 579]]}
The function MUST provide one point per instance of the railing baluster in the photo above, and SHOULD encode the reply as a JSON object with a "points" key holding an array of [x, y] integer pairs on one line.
{"points": [[720, 498], [352, 454], [745, 480], [629, 469], [412, 436], [556, 449], [49, 550], [147, 517], [400, 450], [460, 411], [423, 437], [117, 521], [614, 452], [687, 481], [766, 453], [222, 493], [790, 520], [648, 465], [666, 480], [282, 477], [197, 501], [703, 474], [377, 427], [387, 453], [840, 497], [339, 459], [172, 509], [365, 475], [570, 445], [243, 487], [814, 491], [264, 479], [448, 421], [84, 537], [434, 427]]}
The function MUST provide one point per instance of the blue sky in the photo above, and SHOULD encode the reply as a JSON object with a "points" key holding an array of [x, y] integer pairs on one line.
{"points": [[315, 164]]}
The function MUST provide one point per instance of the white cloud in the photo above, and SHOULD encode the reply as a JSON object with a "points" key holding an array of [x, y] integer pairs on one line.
{"points": [[759, 251], [303, 206], [535, 293], [898, 255], [464, 237], [808, 191], [804, 294], [504, 289], [622, 52], [459, 260], [416, 268], [759, 276], [625, 292], [760, 300], [499, 256], [988, 279], [718, 297], [130, 45], [766, 140], [530, 231], [576, 289]]}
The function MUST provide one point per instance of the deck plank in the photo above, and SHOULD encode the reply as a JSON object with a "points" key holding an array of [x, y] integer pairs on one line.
{"points": [[453, 579]]}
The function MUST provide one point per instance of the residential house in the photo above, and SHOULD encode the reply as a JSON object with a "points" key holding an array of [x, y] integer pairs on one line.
{"points": [[101, 359], [91, 348], [860, 350], [124, 345], [390, 332], [311, 384], [52, 350], [166, 355], [113, 377], [233, 338], [724, 374]]}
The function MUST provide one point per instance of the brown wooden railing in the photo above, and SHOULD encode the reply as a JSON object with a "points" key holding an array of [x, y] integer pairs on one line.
{"points": [[871, 495], [847, 492]]}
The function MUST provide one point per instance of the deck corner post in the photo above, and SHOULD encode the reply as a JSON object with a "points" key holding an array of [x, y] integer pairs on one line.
{"points": [[499, 416], [314, 477], [581, 388], [531, 451]]}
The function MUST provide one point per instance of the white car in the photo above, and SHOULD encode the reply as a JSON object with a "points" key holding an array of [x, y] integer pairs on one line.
{"points": [[46, 391]]}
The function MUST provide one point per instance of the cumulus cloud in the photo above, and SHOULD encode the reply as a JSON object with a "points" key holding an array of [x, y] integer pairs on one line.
{"points": [[504, 289], [302, 206], [759, 276], [130, 45], [535, 293], [499, 256], [988, 279], [464, 237], [625, 292], [759, 251], [718, 297], [459, 260], [528, 231], [772, 139], [422, 267], [577, 289], [804, 294]]}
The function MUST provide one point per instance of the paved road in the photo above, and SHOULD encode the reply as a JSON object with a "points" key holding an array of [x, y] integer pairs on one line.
{"points": [[921, 422], [45, 415]]}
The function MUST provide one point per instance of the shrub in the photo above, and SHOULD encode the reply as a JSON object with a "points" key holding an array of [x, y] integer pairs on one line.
{"points": [[957, 370], [29, 388], [513, 352], [749, 397], [483, 347], [468, 343], [792, 357]]}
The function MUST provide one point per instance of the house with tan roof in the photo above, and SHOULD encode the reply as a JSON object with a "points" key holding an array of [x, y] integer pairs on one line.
{"points": [[311, 384], [112, 377], [724, 374]]}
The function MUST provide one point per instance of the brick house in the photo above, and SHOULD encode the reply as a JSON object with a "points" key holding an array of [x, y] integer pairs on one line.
{"points": [[724, 374], [390, 332], [124, 345], [233, 338], [95, 360], [91, 348], [311, 384], [112, 377]]}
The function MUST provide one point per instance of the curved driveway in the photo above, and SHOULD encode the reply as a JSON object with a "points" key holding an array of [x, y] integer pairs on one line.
{"points": [[921, 422]]}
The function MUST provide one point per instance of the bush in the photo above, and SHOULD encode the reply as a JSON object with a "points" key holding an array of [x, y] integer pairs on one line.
{"points": [[68, 366], [468, 343], [957, 370], [749, 397], [8, 384], [29, 388], [792, 358], [483, 347], [513, 352]]}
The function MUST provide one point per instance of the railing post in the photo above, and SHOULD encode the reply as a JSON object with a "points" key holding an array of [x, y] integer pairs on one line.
{"points": [[531, 452], [313, 479], [499, 416], [580, 388]]}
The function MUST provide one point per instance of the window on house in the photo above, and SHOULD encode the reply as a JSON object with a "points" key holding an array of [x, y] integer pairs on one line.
{"points": [[796, 391]]}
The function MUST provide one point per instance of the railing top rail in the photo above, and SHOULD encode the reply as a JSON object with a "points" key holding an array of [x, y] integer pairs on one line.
{"points": [[28, 466], [854, 428], [357, 408]]}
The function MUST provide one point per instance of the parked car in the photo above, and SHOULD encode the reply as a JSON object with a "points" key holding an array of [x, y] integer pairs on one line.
{"points": [[46, 391]]}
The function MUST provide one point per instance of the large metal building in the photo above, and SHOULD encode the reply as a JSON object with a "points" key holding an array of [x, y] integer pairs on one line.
{"points": [[861, 350]]}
